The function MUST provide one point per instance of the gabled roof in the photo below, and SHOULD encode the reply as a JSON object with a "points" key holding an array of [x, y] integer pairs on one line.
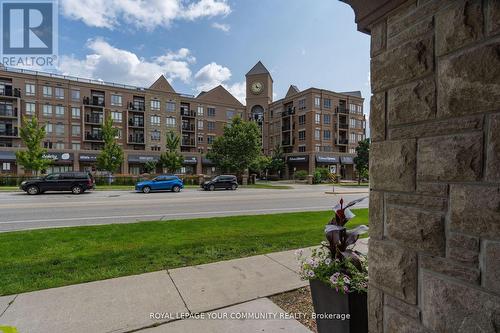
{"points": [[219, 94], [162, 84], [259, 68], [292, 91], [356, 93]]}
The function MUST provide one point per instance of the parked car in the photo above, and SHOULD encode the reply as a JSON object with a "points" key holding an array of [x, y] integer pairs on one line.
{"points": [[76, 182], [160, 183], [226, 182]]}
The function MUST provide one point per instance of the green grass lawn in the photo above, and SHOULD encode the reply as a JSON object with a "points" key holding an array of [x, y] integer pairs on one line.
{"points": [[46, 258]]}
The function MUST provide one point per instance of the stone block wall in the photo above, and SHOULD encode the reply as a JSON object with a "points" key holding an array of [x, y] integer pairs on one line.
{"points": [[434, 254]]}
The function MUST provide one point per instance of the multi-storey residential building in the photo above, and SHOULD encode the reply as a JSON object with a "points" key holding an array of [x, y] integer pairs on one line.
{"points": [[73, 110]]}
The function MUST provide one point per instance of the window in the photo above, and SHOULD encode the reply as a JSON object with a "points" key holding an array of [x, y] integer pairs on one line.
{"points": [[200, 124], [59, 129], [170, 106], [199, 111], [30, 108], [47, 144], [327, 135], [75, 130], [327, 103], [47, 91], [59, 145], [302, 119], [48, 128], [302, 149], [200, 138], [117, 116], [155, 104], [210, 139], [317, 148], [211, 125], [75, 146], [327, 119], [60, 111], [229, 114], [302, 135], [59, 92], [155, 120], [116, 100], [75, 112], [30, 89], [302, 104], [119, 133], [352, 150], [170, 122], [317, 101], [211, 112], [317, 134], [353, 137], [155, 135], [317, 119], [75, 95], [47, 110], [6, 166]]}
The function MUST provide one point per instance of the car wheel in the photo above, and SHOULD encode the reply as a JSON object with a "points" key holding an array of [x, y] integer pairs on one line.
{"points": [[32, 190], [233, 187], [77, 190], [211, 188], [146, 189], [176, 188]]}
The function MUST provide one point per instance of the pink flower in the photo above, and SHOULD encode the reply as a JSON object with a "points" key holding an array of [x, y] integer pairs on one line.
{"points": [[346, 289], [346, 280]]}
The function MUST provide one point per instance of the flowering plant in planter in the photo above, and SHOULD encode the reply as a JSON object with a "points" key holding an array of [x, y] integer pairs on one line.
{"points": [[338, 275]]}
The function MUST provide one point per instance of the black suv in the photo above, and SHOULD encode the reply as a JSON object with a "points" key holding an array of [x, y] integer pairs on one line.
{"points": [[76, 182], [222, 181]]}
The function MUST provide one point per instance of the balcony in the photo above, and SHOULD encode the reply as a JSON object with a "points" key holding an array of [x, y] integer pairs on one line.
{"points": [[288, 112], [8, 91], [341, 109], [136, 123], [136, 139], [187, 113], [11, 133], [94, 101], [342, 141], [8, 113], [137, 106], [190, 142], [93, 136], [94, 119], [188, 127]]}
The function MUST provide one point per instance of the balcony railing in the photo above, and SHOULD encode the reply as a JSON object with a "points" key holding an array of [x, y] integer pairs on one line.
{"points": [[10, 132], [94, 101], [136, 106], [136, 138], [10, 92], [8, 112], [188, 142], [342, 141], [188, 113], [188, 127], [341, 109], [288, 112], [343, 126], [93, 136], [94, 119], [136, 123]]}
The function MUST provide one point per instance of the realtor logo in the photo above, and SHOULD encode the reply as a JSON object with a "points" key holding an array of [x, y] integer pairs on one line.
{"points": [[29, 32]]}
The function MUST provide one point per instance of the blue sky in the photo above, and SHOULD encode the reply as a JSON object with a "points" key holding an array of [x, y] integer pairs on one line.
{"points": [[198, 44]]}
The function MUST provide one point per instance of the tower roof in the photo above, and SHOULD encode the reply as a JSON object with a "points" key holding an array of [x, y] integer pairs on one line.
{"points": [[162, 84], [259, 68], [219, 94], [292, 90]]}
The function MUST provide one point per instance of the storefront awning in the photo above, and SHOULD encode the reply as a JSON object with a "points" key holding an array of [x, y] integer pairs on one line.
{"points": [[7, 156], [87, 157], [190, 160], [298, 159], [59, 157], [327, 159], [346, 160], [142, 158], [207, 161]]}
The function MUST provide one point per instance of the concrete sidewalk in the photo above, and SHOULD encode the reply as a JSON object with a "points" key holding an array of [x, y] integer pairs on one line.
{"points": [[143, 301]]}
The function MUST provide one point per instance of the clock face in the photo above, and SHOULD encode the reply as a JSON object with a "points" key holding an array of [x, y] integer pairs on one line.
{"points": [[257, 87]]}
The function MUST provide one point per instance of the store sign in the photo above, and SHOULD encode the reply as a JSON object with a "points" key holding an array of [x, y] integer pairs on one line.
{"points": [[58, 157], [298, 159], [347, 160], [190, 160], [88, 158], [327, 159], [142, 158]]}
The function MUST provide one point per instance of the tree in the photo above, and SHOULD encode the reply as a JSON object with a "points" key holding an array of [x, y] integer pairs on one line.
{"points": [[111, 156], [362, 158], [238, 147], [32, 158], [172, 159], [150, 166], [277, 160], [260, 164]]}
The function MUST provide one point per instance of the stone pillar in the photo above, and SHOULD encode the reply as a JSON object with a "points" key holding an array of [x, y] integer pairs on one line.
{"points": [[434, 252], [76, 163], [312, 163], [199, 166]]}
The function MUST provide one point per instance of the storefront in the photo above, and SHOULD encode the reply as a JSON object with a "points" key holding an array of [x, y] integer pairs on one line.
{"points": [[8, 162], [347, 167], [329, 162], [61, 162], [208, 167], [296, 163], [88, 162], [189, 165], [136, 163]]}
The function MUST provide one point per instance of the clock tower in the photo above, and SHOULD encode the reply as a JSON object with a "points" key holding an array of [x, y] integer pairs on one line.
{"points": [[259, 95]]}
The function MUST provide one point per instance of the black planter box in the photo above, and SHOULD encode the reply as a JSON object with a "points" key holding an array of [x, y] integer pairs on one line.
{"points": [[331, 306]]}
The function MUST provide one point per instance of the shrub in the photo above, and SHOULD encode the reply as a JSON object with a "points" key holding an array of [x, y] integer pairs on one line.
{"points": [[317, 177], [301, 175], [324, 173]]}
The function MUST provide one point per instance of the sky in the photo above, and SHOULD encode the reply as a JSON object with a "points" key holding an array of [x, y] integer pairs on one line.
{"points": [[199, 44]]}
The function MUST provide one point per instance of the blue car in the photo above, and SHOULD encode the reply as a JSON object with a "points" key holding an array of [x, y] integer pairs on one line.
{"points": [[160, 183]]}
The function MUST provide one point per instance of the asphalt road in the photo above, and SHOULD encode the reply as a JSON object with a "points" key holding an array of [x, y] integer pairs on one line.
{"points": [[19, 211]]}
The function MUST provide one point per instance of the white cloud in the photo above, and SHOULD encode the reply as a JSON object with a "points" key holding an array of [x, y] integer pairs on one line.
{"points": [[213, 74], [238, 90], [109, 63], [221, 26], [147, 14]]}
